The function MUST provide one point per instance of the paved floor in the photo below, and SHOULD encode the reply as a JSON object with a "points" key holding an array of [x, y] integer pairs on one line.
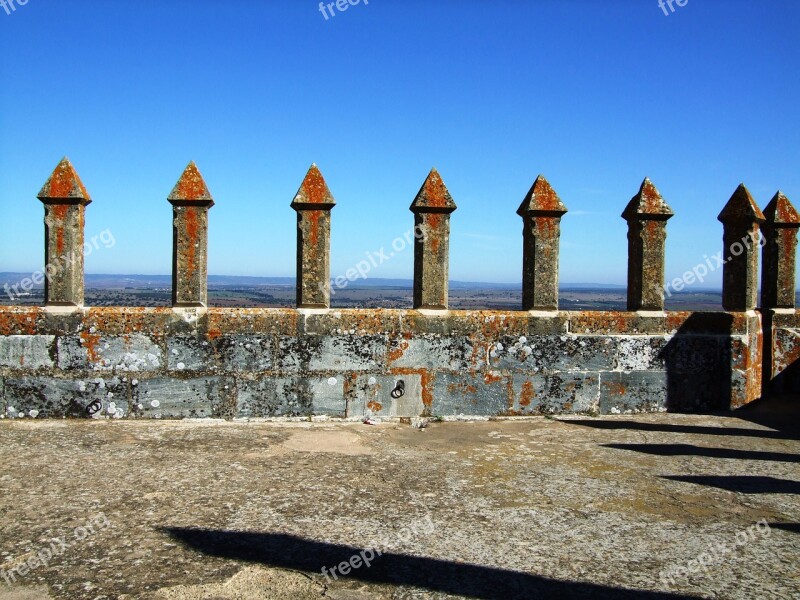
{"points": [[658, 506]]}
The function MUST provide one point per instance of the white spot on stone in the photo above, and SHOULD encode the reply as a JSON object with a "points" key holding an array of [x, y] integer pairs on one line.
{"points": [[180, 366], [92, 329], [33, 413], [526, 350], [112, 406], [523, 340], [372, 381], [139, 406], [134, 382], [155, 403], [175, 352], [498, 347], [332, 381]]}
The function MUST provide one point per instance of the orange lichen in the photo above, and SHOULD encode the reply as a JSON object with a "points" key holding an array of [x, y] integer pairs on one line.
{"points": [[64, 183], [314, 187], [527, 394], [489, 378], [191, 185], [90, 342], [397, 354], [191, 222]]}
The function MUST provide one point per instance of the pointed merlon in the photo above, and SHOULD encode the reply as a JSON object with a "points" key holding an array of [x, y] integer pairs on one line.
{"points": [[64, 185], [780, 211], [433, 196], [648, 203], [191, 188], [313, 192], [741, 208], [541, 200]]}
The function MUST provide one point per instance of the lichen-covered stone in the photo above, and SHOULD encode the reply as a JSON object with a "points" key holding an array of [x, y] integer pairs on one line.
{"points": [[190, 353], [432, 207], [26, 351], [171, 397], [65, 199], [239, 353], [541, 211], [430, 352], [50, 397], [633, 392], [558, 393], [467, 394], [290, 397], [386, 396], [641, 353], [332, 353], [554, 353], [126, 353], [191, 202]]}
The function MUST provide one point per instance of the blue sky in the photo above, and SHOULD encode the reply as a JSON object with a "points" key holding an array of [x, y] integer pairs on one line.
{"points": [[594, 95]]}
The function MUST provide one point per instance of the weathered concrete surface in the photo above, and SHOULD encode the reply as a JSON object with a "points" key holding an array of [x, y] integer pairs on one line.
{"points": [[539, 508], [191, 202], [541, 211], [647, 214]]}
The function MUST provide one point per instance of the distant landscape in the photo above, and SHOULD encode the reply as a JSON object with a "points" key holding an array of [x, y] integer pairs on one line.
{"points": [[279, 292]]}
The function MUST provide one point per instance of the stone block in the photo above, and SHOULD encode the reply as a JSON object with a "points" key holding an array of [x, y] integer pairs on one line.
{"points": [[554, 354], [290, 397], [238, 353], [28, 352], [71, 353], [641, 353], [698, 354], [633, 392], [189, 353], [431, 352], [134, 352], [50, 397], [385, 396], [332, 353], [556, 393], [469, 395], [164, 397]]}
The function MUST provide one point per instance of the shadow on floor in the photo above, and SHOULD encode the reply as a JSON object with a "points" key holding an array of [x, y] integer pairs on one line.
{"points": [[473, 581], [688, 429], [745, 484], [793, 527], [691, 450]]}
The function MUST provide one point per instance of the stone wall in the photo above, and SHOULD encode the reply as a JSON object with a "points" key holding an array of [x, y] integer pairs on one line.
{"points": [[243, 363], [67, 360]]}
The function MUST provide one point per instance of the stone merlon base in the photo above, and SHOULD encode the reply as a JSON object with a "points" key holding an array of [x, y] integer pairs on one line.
{"points": [[256, 363]]}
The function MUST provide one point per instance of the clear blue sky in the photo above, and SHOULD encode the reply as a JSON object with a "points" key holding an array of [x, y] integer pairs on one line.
{"points": [[595, 95]]}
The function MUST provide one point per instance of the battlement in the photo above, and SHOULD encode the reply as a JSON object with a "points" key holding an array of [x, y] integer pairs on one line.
{"points": [[68, 360]]}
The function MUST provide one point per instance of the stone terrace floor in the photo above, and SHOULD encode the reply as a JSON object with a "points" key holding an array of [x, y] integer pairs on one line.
{"points": [[609, 507]]}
